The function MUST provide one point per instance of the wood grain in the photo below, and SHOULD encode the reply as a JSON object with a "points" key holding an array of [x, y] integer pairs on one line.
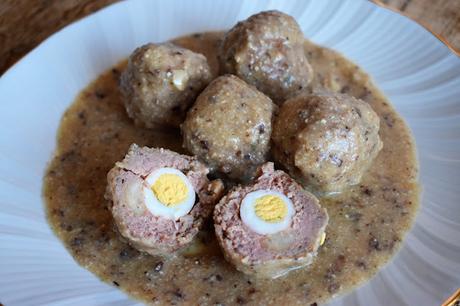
{"points": [[26, 23], [442, 17]]}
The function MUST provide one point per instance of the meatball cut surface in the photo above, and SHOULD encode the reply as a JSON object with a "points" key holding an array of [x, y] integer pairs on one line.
{"points": [[160, 83], [159, 198], [266, 50], [229, 127], [271, 226], [325, 140]]}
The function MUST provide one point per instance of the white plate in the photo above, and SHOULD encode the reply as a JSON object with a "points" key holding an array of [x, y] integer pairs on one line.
{"points": [[416, 71]]}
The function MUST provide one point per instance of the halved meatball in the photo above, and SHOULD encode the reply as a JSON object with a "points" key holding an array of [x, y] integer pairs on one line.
{"points": [[127, 191], [160, 83], [326, 140], [266, 50], [229, 127], [279, 251]]}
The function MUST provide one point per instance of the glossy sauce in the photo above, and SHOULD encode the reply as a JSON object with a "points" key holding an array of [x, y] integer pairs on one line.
{"points": [[366, 227]]}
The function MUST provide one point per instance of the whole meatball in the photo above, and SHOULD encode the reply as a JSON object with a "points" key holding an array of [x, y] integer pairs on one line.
{"points": [[326, 140], [161, 82], [266, 50], [229, 127]]}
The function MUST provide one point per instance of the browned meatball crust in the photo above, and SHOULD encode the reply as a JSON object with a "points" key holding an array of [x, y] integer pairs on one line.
{"points": [[229, 127], [270, 255], [326, 140], [153, 234], [161, 82], [266, 50]]}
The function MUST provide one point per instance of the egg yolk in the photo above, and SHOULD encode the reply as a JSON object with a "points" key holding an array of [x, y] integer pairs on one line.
{"points": [[270, 208], [323, 238], [170, 189]]}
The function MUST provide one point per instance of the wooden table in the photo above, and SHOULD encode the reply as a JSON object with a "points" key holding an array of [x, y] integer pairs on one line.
{"points": [[25, 23]]}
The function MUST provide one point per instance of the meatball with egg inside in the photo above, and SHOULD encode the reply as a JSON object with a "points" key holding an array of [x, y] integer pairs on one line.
{"points": [[271, 226], [266, 50], [159, 199], [161, 82], [229, 127], [326, 140]]}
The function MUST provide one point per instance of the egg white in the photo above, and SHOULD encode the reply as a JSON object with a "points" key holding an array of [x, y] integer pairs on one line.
{"points": [[159, 209], [250, 219]]}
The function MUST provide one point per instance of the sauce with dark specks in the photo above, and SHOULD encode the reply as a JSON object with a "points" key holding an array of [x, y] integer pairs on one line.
{"points": [[366, 227]]}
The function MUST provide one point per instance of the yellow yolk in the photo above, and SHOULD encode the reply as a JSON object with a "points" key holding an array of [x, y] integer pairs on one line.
{"points": [[170, 189], [323, 238], [266, 212], [270, 208]]}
